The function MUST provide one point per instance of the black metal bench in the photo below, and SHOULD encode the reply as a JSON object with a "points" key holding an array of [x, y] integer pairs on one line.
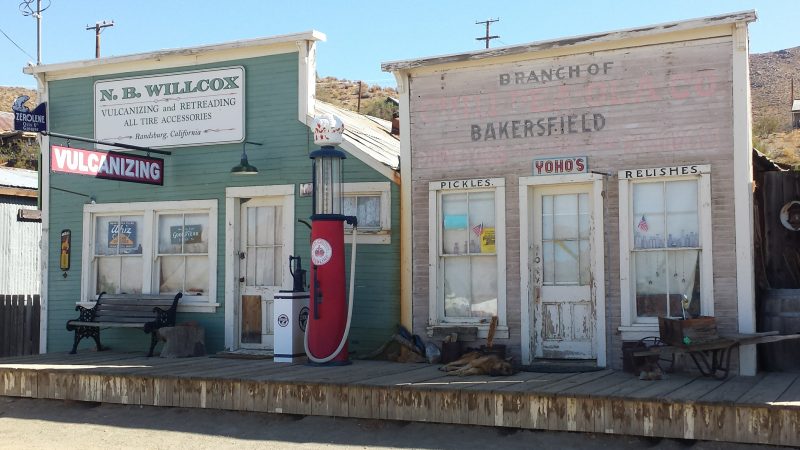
{"points": [[148, 312]]}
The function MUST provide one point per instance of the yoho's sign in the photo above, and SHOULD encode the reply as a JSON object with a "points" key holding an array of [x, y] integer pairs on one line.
{"points": [[178, 109]]}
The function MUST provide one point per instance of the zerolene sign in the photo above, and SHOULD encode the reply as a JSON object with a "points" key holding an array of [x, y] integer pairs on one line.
{"points": [[177, 109]]}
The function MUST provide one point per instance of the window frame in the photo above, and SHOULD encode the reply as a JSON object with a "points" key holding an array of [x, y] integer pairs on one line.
{"points": [[149, 240], [632, 326], [372, 189], [437, 316]]}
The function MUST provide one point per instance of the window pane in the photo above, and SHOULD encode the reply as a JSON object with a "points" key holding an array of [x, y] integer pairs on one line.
{"points": [[565, 216], [455, 223], [651, 283], [583, 216], [484, 286], [585, 262], [566, 259], [456, 287], [547, 217], [548, 263], [682, 217], [196, 275], [265, 273], [171, 274], [481, 223], [266, 223], [648, 215], [131, 275], [170, 232], [367, 208], [195, 233], [118, 235], [684, 281], [108, 270]]}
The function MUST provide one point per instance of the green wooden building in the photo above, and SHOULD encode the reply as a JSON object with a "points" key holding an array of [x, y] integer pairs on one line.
{"points": [[188, 223]]}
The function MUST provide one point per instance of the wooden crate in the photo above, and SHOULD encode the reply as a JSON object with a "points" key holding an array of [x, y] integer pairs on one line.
{"points": [[678, 331]]}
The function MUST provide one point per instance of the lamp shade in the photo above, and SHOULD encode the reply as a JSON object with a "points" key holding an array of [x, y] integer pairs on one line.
{"points": [[244, 167]]}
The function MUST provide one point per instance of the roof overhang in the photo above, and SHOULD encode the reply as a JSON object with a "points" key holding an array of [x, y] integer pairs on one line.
{"points": [[175, 57], [720, 25]]}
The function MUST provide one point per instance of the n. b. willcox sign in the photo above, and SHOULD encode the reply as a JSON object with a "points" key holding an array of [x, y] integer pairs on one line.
{"points": [[27, 120], [178, 109]]}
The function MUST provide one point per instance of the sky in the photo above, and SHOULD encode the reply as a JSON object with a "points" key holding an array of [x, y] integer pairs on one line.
{"points": [[360, 34]]}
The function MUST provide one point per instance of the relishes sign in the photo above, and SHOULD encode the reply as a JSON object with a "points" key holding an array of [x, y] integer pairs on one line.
{"points": [[111, 165], [178, 109]]}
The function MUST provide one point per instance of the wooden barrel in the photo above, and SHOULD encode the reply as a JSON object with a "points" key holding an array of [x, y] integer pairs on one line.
{"points": [[780, 310]]}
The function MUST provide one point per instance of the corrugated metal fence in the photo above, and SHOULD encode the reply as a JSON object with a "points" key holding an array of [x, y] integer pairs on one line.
{"points": [[19, 248], [19, 319]]}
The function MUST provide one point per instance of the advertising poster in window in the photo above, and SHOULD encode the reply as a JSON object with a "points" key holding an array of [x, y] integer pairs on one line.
{"points": [[122, 234], [188, 234]]}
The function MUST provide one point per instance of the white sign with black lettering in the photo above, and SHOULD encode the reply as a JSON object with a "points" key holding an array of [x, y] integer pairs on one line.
{"points": [[178, 109]]}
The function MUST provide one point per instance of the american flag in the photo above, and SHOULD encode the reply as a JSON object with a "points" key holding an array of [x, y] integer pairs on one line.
{"points": [[643, 225], [478, 229]]}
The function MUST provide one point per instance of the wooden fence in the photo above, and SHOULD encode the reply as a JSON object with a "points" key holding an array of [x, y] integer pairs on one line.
{"points": [[19, 319]]}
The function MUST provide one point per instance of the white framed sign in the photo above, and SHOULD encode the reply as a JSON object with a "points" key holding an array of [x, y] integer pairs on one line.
{"points": [[179, 109]]}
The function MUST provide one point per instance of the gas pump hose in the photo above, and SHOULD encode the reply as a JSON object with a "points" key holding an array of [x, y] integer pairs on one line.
{"points": [[349, 312]]}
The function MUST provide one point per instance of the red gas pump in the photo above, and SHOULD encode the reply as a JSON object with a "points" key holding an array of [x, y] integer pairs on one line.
{"points": [[330, 314]]}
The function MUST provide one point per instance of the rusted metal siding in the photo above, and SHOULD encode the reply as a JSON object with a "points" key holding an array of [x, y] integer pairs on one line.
{"points": [[19, 248], [661, 105]]}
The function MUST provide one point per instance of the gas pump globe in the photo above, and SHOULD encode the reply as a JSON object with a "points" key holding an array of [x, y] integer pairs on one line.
{"points": [[329, 318]]}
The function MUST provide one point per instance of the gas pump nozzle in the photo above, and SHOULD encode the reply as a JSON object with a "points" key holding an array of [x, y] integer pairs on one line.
{"points": [[298, 274]]}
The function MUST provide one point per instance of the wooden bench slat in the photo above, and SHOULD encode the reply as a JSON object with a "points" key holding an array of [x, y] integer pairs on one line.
{"points": [[134, 302], [109, 324], [112, 318]]}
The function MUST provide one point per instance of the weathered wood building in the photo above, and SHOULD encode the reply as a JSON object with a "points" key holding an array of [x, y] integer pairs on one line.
{"points": [[580, 188], [191, 223]]}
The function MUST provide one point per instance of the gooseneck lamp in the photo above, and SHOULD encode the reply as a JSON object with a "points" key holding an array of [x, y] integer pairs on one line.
{"points": [[330, 313], [244, 167]]}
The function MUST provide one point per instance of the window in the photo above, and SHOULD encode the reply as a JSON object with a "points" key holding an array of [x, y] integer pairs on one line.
{"points": [[665, 233], [467, 248], [371, 204], [158, 248]]}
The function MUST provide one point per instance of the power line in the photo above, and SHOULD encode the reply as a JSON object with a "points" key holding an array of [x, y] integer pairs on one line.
{"points": [[15, 44]]}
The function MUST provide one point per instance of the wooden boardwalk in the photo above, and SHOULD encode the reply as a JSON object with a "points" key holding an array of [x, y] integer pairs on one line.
{"points": [[763, 409]]}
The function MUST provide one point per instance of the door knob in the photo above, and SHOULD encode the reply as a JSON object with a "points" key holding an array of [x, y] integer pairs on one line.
{"points": [[241, 279]]}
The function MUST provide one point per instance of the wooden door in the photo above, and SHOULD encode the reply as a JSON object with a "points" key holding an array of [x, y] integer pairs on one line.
{"points": [[564, 309], [263, 267]]}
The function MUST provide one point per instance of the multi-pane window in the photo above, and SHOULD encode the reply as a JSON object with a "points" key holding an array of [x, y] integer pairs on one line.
{"points": [[151, 248], [666, 248], [370, 202], [468, 254], [182, 255], [118, 254], [565, 239], [366, 207]]}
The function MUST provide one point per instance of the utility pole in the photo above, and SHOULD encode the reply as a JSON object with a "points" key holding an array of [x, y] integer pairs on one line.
{"points": [[487, 38], [27, 10], [358, 108], [97, 28]]}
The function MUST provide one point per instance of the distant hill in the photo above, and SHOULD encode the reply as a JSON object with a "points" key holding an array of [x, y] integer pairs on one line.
{"points": [[9, 94], [344, 93], [770, 88]]}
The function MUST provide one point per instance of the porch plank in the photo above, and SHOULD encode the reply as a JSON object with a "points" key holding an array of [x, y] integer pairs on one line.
{"points": [[732, 389], [769, 389]]}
